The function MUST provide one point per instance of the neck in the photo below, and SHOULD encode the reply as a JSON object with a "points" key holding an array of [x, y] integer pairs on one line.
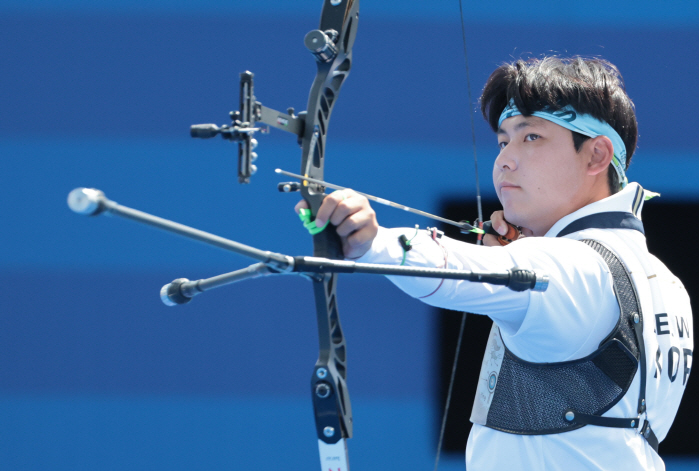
{"points": [[598, 191]]}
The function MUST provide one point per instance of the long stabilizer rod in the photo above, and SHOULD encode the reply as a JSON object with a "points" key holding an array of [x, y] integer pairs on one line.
{"points": [[91, 202]]}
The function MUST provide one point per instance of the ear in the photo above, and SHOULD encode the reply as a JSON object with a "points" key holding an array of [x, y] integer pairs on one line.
{"points": [[602, 152]]}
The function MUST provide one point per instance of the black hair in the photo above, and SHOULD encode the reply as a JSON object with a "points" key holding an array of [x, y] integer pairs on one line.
{"points": [[591, 86]]}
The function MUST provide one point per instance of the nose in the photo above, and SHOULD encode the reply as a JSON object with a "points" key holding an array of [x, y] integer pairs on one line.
{"points": [[505, 159]]}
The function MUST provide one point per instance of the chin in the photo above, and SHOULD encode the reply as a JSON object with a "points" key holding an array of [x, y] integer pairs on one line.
{"points": [[514, 217]]}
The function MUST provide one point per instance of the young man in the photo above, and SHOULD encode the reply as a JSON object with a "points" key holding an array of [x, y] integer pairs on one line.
{"points": [[588, 374]]}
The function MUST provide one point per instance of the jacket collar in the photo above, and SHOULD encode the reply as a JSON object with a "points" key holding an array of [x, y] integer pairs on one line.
{"points": [[619, 211]]}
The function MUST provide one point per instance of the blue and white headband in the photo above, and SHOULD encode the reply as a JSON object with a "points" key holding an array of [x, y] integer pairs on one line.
{"points": [[581, 123]]}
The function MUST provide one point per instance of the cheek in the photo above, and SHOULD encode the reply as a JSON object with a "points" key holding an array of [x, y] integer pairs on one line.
{"points": [[564, 179], [552, 175], [495, 179]]}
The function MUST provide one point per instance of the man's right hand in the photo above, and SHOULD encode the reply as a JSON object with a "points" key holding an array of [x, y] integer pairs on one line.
{"points": [[353, 217], [500, 225]]}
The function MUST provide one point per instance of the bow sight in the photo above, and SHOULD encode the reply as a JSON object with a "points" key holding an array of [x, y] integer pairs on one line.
{"points": [[322, 44]]}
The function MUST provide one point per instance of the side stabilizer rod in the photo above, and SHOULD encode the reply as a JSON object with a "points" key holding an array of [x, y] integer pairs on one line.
{"points": [[181, 290]]}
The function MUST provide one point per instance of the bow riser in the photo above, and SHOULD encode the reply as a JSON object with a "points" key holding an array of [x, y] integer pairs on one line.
{"points": [[331, 401]]}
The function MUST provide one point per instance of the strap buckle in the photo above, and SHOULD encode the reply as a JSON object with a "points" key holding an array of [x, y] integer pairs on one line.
{"points": [[647, 433]]}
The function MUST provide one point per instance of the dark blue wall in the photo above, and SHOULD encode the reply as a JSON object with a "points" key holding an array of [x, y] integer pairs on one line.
{"points": [[95, 373]]}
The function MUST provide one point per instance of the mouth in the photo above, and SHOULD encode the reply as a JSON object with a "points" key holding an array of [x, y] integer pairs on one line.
{"points": [[504, 186]]}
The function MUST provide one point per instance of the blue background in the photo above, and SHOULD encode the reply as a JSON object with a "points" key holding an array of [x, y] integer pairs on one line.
{"points": [[96, 373]]}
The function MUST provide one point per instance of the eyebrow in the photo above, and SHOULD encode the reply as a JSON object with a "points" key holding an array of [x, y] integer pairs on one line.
{"points": [[518, 126]]}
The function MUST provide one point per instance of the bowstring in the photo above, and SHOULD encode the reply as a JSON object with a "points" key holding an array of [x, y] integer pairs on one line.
{"points": [[451, 384], [480, 224]]}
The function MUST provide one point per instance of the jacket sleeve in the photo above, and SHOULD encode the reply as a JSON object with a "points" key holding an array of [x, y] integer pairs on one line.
{"points": [[498, 302], [580, 284]]}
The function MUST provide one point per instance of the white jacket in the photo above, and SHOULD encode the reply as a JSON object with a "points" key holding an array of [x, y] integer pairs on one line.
{"points": [[566, 322]]}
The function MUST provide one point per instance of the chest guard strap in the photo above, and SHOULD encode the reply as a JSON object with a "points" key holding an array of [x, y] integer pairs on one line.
{"points": [[521, 397]]}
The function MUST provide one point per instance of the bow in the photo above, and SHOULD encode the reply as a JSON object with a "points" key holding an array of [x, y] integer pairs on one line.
{"points": [[331, 403], [331, 45]]}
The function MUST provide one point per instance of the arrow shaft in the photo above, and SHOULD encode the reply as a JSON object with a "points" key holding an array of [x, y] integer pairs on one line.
{"points": [[460, 225]]}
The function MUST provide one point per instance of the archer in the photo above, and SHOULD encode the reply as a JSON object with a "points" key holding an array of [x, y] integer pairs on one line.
{"points": [[590, 373]]}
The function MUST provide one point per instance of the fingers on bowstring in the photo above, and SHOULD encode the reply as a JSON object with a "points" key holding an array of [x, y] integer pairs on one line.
{"points": [[526, 232], [489, 240], [499, 222]]}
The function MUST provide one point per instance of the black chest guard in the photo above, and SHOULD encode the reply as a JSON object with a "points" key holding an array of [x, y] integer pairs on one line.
{"points": [[520, 397]]}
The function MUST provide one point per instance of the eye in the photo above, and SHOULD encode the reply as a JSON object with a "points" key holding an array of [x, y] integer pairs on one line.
{"points": [[502, 144], [531, 137]]}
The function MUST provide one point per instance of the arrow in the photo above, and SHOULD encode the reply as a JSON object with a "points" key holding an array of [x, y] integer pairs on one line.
{"points": [[463, 225]]}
